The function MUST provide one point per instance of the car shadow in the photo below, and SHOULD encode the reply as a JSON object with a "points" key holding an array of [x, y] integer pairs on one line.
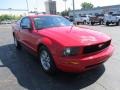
{"points": [[29, 74]]}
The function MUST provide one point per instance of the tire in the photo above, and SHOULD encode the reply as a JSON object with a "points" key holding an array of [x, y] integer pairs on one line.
{"points": [[46, 60], [84, 22], [78, 23], [118, 23], [100, 22], [17, 43], [92, 23], [107, 23]]}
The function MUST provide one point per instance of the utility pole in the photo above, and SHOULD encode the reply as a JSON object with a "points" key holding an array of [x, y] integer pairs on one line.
{"points": [[27, 6], [10, 9], [65, 4], [73, 10], [36, 8]]}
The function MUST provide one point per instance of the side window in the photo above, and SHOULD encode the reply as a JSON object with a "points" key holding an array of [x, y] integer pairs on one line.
{"points": [[25, 22]]}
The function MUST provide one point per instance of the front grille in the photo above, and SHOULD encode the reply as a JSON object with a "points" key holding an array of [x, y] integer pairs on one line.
{"points": [[95, 48]]}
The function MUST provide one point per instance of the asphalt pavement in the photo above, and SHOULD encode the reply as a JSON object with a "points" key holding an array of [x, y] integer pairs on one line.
{"points": [[19, 70]]}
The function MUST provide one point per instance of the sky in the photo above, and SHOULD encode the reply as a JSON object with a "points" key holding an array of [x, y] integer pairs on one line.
{"points": [[39, 4]]}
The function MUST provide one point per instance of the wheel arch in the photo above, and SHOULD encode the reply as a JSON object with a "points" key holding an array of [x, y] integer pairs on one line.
{"points": [[41, 45], [50, 44], [44, 42], [53, 63]]}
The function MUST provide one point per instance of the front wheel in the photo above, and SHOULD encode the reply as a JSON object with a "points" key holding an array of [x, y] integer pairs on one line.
{"points": [[118, 23], [107, 23], [46, 60], [84, 22]]}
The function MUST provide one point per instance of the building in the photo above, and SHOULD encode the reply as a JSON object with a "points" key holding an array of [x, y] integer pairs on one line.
{"points": [[97, 10], [17, 12], [50, 7]]}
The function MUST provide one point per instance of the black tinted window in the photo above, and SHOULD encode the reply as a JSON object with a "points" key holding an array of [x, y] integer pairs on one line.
{"points": [[25, 22], [50, 21]]}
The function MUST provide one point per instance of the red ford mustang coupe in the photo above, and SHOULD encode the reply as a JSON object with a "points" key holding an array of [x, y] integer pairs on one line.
{"points": [[60, 45]]}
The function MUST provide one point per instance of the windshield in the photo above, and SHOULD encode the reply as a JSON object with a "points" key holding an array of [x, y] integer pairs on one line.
{"points": [[116, 14], [50, 21], [82, 16]]}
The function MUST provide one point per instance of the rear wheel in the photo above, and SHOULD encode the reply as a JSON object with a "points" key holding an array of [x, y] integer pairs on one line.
{"points": [[46, 60], [78, 23], [92, 23], [17, 43], [118, 23], [107, 23]]}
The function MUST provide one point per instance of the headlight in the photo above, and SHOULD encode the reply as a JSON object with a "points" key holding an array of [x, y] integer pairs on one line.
{"points": [[70, 51]]}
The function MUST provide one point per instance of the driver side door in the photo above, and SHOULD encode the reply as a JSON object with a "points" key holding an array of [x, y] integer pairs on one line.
{"points": [[25, 26]]}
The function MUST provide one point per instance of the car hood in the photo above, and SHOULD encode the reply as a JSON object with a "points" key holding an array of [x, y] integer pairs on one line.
{"points": [[74, 36]]}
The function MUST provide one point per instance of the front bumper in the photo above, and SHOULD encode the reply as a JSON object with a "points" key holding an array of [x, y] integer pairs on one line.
{"points": [[83, 63], [112, 22]]}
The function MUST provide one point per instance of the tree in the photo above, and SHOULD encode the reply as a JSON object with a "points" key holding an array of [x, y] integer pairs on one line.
{"points": [[8, 17], [64, 13], [86, 5]]}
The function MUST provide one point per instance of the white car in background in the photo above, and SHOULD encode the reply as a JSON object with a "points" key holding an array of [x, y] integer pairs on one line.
{"points": [[6, 22], [84, 19], [118, 18], [111, 19]]}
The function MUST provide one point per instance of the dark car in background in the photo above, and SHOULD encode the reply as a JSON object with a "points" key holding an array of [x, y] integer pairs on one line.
{"points": [[97, 19]]}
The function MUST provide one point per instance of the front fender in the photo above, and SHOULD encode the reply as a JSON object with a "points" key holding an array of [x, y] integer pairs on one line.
{"points": [[50, 44]]}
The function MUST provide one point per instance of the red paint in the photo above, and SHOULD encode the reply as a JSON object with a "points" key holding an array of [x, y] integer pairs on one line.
{"points": [[58, 38]]}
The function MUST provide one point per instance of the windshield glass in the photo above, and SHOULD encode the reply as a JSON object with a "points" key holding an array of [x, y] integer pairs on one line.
{"points": [[50, 21]]}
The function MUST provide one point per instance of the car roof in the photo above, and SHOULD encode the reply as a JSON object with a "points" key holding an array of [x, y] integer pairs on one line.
{"points": [[33, 16]]}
